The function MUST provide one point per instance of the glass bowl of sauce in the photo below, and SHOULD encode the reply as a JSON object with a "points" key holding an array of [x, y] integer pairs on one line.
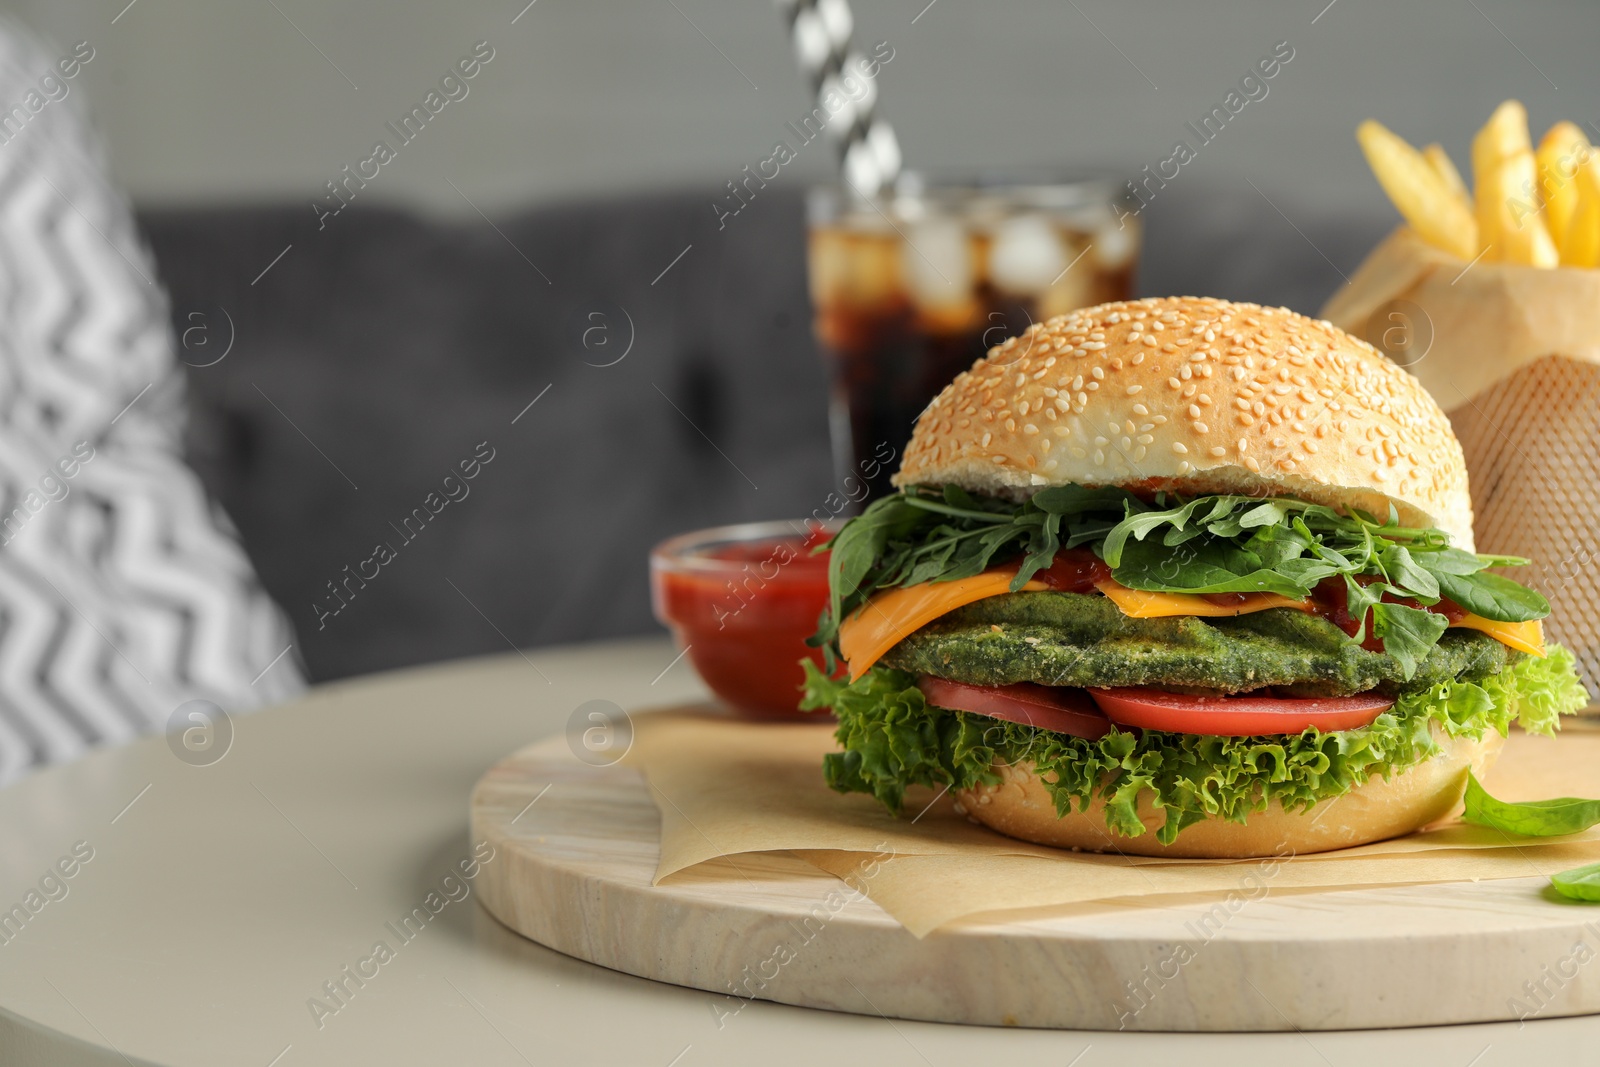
{"points": [[741, 600]]}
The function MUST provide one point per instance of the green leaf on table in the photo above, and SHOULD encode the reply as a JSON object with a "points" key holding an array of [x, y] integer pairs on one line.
{"points": [[1580, 883], [1534, 818]]}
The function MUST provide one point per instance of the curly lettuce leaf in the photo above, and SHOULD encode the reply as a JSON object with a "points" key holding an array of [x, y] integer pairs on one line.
{"points": [[892, 737]]}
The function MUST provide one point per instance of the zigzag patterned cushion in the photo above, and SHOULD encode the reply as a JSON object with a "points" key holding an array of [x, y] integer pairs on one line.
{"points": [[124, 593]]}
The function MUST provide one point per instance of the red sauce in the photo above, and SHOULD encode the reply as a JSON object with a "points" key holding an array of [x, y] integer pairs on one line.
{"points": [[745, 623], [1331, 600], [1074, 570]]}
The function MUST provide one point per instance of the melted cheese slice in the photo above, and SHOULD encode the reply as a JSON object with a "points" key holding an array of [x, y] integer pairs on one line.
{"points": [[1139, 604], [1523, 636], [881, 623]]}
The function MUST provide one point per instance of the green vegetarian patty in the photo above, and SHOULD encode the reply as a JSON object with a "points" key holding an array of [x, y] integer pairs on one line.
{"points": [[1074, 639]]}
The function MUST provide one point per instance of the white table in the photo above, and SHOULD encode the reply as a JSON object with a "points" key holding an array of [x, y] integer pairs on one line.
{"points": [[221, 898]]}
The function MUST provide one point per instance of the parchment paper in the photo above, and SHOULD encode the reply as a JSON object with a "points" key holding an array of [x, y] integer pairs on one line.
{"points": [[726, 787]]}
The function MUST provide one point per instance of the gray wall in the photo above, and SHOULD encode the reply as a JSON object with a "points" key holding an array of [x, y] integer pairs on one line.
{"points": [[206, 100]]}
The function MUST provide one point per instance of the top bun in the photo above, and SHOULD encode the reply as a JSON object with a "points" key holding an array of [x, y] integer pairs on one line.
{"points": [[1196, 396]]}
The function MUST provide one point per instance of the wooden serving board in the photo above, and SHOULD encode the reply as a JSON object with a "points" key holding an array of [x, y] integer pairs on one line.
{"points": [[576, 847]]}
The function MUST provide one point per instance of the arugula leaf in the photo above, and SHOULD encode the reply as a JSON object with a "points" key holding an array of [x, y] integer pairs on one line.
{"points": [[1210, 568], [1494, 597], [1404, 572], [1456, 561], [892, 737], [1580, 883], [1536, 818], [1407, 633]]}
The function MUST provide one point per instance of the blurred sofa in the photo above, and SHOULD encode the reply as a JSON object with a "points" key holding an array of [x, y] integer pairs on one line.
{"points": [[344, 380]]}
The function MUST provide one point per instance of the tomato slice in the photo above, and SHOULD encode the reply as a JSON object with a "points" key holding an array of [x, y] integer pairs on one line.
{"points": [[1236, 716], [1063, 710]]}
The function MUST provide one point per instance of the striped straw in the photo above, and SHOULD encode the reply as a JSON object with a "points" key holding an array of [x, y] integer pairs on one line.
{"points": [[820, 32]]}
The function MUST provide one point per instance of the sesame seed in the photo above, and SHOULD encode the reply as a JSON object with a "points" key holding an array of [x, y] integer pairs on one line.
{"points": [[1218, 451], [1135, 390]]}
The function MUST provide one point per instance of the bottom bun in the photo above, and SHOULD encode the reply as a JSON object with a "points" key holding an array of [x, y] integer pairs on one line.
{"points": [[1020, 806]]}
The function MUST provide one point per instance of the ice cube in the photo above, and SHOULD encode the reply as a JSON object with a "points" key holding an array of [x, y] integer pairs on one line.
{"points": [[1074, 288], [1115, 244], [1026, 255], [936, 261]]}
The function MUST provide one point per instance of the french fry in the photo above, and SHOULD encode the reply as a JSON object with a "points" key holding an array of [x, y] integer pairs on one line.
{"points": [[1509, 223], [1421, 195], [1443, 166], [1507, 210], [1504, 135], [1561, 154], [1581, 245]]}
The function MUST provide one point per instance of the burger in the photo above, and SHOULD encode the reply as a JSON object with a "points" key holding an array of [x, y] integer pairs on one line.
{"points": [[1180, 577]]}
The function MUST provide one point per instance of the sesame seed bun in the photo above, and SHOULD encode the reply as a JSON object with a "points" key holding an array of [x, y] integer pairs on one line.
{"points": [[1382, 808], [1197, 396]]}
